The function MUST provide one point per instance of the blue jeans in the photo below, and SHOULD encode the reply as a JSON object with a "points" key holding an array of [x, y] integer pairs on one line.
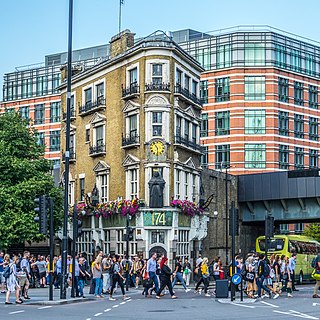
{"points": [[98, 288], [261, 286], [153, 276], [178, 277], [81, 286]]}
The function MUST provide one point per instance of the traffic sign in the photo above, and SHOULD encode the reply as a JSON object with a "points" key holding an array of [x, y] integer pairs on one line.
{"points": [[236, 279]]}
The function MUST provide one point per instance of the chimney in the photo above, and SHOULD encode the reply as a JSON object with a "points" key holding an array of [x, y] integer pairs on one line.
{"points": [[121, 42], [64, 71]]}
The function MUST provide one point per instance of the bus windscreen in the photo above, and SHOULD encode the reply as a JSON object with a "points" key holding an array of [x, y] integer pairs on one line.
{"points": [[273, 244]]}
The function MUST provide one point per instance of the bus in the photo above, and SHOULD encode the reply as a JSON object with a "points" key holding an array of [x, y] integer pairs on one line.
{"points": [[306, 249]]}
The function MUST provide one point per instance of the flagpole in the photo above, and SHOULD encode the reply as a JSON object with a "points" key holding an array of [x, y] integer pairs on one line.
{"points": [[120, 4]]}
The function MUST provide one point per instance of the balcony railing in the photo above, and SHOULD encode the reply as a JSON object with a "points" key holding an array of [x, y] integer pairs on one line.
{"points": [[187, 94], [186, 142], [92, 106], [157, 87], [98, 149], [72, 156], [130, 139], [132, 90], [72, 115]]}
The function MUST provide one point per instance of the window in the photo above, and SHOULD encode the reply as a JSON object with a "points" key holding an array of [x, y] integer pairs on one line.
{"points": [[204, 91], [25, 112], [310, 63], [55, 140], [157, 237], [39, 114], [194, 88], [313, 129], [298, 93], [106, 242], [157, 73], [254, 88], [280, 52], [204, 157], [133, 77], [157, 124], [186, 185], [194, 133], [103, 182], [313, 97], [283, 123], [183, 244], [295, 60], [99, 136], [120, 242], [255, 121], [222, 156], [313, 159], [223, 56], [178, 184], [82, 192], [204, 125], [55, 111], [41, 85], [178, 77], [178, 126], [133, 126], [133, 174], [222, 123], [88, 135], [255, 155], [298, 126], [187, 82], [298, 158], [254, 54], [55, 82], [88, 97], [40, 138], [283, 89], [283, 156], [84, 244], [100, 91], [186, 129], [223, 89]]}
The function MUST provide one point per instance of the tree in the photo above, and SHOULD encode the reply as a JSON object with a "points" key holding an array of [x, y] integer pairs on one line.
{"points": [[25, 174], [312, 231]]}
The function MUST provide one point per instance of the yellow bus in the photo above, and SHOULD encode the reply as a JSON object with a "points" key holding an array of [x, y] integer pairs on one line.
{"points": [[305, 247]]}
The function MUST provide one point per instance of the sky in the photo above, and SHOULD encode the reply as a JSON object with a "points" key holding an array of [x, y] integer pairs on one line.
{"points": [[31, 29]]}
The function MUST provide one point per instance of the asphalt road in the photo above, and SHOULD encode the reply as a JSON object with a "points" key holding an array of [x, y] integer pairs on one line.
{"points": [[187, 306]]}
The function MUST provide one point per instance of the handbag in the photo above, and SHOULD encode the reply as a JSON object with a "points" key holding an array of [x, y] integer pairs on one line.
{"points": [[196, 270], [289, 285], [316, 274]]}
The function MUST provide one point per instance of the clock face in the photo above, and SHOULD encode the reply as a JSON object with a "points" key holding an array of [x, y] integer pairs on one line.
{"points": [[157, 148]]}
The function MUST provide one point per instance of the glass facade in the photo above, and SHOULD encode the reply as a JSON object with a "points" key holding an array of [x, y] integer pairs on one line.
{"points": [[254, 88], [254, 121], [255, 156], [254, 54]]}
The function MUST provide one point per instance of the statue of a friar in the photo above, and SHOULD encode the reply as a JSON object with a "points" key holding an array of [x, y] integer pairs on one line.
{"points": [[156, 186]]}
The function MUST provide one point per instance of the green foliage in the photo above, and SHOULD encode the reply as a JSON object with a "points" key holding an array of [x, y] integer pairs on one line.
{"points": [[25, 174], [313, 231]]}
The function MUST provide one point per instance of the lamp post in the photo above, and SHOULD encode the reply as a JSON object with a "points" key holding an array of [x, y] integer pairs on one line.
{"points": [[227, 211]]}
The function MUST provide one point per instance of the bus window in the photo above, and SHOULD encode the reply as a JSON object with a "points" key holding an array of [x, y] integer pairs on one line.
{"points": [[273, 245]]}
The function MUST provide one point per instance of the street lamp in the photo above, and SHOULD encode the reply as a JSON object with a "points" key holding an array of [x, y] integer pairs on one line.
{"points": [[215, 217]]}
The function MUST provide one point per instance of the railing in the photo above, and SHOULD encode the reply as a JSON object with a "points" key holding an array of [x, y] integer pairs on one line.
{"points": [[157, 87], [98, 149], [72, 115], [89, 106], [130, 139], [72, 156], [133, 89], [188, 143], [186, 93]]}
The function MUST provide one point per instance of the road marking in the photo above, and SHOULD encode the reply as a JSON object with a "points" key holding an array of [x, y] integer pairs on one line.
{"points": [[296, 314], [14, 312], [88, 319], [107, 310], [46, 307], [315, 304], [269, 304], [115, 306], [242, 305], [123, 302], [129, 300], [98, 314]]}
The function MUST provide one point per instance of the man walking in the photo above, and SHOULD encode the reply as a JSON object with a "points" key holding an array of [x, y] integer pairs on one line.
{"points": [[292, 265], [178, 275], [151, 270]]}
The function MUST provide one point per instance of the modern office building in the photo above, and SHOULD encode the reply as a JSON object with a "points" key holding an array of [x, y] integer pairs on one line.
{"points": [[260, 94]]}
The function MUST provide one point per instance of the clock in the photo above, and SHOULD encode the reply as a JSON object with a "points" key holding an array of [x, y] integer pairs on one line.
{"points": [[157, 148]]}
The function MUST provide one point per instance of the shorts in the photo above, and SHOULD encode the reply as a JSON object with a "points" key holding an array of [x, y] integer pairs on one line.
{"points": [[2, 279], [42, 274], [23, 281]]}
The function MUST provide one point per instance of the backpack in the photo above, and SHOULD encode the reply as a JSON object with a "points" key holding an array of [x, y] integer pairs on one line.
{"points": [[7, 272], [211, 268], [314, 262], [266, 269], [243, 270]]}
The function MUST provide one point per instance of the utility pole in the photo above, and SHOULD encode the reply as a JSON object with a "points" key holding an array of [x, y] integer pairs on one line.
{"points": [[51, 249], [63, 288], [227, 220], [75, 235]]}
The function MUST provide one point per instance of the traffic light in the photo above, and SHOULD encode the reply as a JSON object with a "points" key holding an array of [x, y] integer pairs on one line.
{"points": [[130, 232], [41, 212], [269, 226], [234, 222], [79, 231]]}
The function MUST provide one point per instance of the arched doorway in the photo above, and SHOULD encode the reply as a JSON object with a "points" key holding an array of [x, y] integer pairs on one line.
{"points": [[159, 250]]}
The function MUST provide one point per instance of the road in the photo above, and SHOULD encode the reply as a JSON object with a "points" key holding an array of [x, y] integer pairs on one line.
{"points": [[187, 306]]}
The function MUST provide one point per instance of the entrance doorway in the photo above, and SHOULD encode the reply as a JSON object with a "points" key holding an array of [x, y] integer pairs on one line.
{"points": [[159, 250]]}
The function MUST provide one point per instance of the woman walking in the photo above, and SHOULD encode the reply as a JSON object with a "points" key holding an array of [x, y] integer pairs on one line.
{"points": [[165, 278], [12, 282], [96, 276], [204, 277]]}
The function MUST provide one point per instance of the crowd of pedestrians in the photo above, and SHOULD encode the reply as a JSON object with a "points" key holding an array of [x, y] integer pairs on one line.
{"points": [[262, 277]]}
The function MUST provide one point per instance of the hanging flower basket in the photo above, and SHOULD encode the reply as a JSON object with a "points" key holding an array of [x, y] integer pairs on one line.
{"points": [[188, 208]]}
